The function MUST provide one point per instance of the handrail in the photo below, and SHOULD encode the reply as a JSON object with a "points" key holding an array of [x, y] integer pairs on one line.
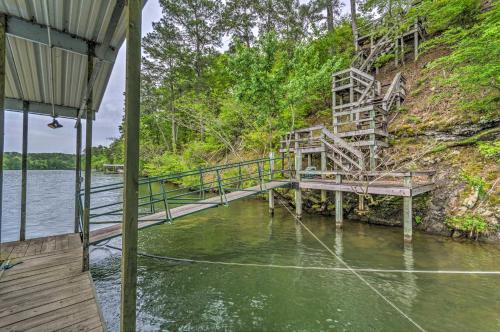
{"points": [[338, 140], [211, 179]]}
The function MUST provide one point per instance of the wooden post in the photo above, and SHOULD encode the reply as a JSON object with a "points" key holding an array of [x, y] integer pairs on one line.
{"points": [[407, 211], [373, 161], [351, 94], [2, 113], [402, 50], [24, 172], [131, 180], [271, 192], [396, 51], [339, 213], [415, 40], [78, 174], [334, 104], [88, 164], [323, 165], [298, 168], [282, 164]]}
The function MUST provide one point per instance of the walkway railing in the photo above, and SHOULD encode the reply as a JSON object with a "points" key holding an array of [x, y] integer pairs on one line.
{"points": [[162, 193]]}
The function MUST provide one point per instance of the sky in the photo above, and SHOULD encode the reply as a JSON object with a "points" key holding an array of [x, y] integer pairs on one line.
{"points": [[108, 118]]}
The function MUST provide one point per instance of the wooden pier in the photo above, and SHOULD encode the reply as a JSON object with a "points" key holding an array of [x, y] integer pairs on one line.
{"points": [[45, 289]]}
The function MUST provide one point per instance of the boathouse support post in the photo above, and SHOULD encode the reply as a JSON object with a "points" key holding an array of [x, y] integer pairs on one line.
{"points": [[78, 174], [24, 172], [323, 165], [2, 112], [339, 213], [407, 211], [88, 162], [131, 178], [298, 168], [271, 192]]}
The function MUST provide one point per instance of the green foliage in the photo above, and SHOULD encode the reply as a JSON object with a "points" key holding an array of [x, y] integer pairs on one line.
{"points": [[473, 66], [418, 220], [471, 223], [490, 149], [476, 182], [443, 14], [165, 164], [383, 60], [39, 161]]}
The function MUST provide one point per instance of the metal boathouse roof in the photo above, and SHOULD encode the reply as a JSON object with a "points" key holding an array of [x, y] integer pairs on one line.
{"points": [[46, 52]]}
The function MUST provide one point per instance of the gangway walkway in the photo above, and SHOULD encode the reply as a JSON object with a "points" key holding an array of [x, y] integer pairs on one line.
{"points": [[163, 199], [102, 234]]}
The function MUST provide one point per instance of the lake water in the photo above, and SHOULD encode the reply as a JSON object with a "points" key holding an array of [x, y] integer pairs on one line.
{"points": [[175, 296]]}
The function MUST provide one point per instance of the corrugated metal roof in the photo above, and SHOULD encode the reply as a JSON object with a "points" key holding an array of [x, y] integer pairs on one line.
{"points": [[74, 22]]}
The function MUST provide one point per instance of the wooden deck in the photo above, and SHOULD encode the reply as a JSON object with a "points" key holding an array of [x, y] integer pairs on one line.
{"points": [[376, 188], [105, 233], [47, 291]]}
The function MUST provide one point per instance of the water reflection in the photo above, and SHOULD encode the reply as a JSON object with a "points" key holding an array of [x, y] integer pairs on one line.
{"points": [[339, 247], [410, 279], [194, 297]]}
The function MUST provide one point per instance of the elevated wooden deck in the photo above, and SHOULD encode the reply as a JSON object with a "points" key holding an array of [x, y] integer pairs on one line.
{"points": [[105, 233], [390, 188], [47, 290]]}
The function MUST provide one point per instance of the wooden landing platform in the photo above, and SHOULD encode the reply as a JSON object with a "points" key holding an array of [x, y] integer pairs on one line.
{"points": [[47, 291], [105, 233], [376, 188]]}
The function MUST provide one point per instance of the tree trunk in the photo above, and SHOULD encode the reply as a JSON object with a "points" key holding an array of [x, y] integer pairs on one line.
{"points": [[329, 16], [354, 25]]}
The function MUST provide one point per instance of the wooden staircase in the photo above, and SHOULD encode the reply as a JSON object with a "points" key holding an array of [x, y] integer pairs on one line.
{"points": [[360, 106], [359, 130]]}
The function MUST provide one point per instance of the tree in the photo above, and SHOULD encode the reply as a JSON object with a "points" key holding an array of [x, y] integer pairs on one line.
{"points": [[332, 8], [354, 24], [240, 18]]}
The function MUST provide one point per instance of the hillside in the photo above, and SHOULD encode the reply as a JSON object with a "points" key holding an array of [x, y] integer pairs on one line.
{"points": [[201, 105]]}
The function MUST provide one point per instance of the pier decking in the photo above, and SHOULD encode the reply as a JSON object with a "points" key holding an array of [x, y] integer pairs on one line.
{"points": [[45, 289], [102, 234]]}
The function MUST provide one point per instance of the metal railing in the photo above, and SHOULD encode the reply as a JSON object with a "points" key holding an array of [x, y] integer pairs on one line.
{"points": [[162, 193]]}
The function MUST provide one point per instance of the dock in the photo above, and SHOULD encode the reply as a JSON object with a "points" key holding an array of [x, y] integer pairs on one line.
{"points": [[45, 288], [106, 233]]}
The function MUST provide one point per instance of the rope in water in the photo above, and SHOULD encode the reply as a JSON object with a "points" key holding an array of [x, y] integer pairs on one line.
{"points": [[346, 268], [295, 267], [351, 269]]}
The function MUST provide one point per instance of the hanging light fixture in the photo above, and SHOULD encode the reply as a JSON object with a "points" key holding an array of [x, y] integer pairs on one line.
{"points": [[54, 124]]}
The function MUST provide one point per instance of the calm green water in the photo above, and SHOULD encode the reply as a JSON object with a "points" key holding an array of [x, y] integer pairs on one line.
{"points": [[201, 297]]}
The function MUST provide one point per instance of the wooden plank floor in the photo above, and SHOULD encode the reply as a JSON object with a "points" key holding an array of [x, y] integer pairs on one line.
{"points": [[105, 233], [47, 291]]}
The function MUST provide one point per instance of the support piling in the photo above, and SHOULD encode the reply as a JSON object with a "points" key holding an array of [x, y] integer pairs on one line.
{"points": [[271, 192], [339, 213], [298, 168], [2, 111], [131, 180], [78, 174], [24, 172], [323, 166], [88, 164], [407, 212]]}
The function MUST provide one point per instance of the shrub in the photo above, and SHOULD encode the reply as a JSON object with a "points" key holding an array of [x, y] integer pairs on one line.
{"points": [[471, 223], [490, 150], [476, 182]]}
